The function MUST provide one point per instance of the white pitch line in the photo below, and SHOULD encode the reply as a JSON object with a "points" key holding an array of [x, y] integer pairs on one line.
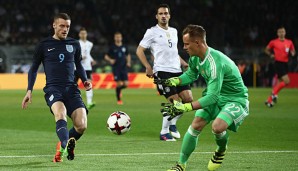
{"points": [[141, 154]]}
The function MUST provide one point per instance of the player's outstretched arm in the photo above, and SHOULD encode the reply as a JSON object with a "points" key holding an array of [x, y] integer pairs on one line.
{"points": [[27, 99]]}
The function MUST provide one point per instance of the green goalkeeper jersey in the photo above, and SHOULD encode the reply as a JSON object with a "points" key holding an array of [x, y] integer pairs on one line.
{"points": [[224, 81]]}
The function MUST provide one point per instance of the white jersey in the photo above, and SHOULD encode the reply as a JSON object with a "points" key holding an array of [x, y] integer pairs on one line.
{"points": [[163, 46], [87, 58]]}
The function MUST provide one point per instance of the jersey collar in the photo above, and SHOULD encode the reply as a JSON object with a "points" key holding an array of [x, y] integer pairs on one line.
{"points": [[205, 56], [162, 28]]}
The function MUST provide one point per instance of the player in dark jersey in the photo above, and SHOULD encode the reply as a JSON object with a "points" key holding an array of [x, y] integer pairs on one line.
{"points": [[59, 55], [119, 57]]}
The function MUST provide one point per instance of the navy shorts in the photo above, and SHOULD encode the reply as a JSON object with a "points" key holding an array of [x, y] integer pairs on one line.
{"points": [[169, 91], [281, 68], [120, 75], [69, 95]]}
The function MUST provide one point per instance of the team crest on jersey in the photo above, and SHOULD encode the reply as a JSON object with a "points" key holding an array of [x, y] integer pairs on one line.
{"points": [[202, 72], [168, 35], [123, 49], [69, 48]]}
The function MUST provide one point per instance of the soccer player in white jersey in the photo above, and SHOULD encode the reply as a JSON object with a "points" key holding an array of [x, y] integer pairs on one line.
{"points": [[87, 62], [162, 41]]}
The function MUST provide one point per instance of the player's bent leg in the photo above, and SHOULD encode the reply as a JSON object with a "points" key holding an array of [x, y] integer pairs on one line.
{"points": [[190, 139], [285, 79], [186, 97], [219, 127], [230, 117], [119, 85], [165, 132], [79, 118], [282, 82], [89, 97], [59, 112], [169, 129]]}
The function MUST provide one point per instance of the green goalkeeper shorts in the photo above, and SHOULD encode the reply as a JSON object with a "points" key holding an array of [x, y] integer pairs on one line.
{"points": [[233, 113]]}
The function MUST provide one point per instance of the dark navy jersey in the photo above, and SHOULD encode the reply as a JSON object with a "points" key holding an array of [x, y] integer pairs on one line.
{"points": [[119, 53], [59, 58]]}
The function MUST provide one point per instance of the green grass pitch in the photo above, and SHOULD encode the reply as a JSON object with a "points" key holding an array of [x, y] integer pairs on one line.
{"points": [[267, 140]]}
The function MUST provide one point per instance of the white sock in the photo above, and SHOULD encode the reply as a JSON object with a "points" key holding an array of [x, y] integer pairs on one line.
{"points": [[174, 120], [89, 95], [165, 125]]}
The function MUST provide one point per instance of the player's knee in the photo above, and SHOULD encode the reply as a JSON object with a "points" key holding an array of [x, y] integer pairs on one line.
{"points": [[186, 96], [198, 124], [81, 128], [60, 115], [287, 81], [218, 128]]}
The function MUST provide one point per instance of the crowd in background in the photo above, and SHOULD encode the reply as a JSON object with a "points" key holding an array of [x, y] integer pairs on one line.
{"points": [[237, 23], [229, 24]]}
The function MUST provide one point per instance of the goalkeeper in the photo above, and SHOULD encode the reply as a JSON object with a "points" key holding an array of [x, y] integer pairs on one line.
{"points": [[225, 99]]}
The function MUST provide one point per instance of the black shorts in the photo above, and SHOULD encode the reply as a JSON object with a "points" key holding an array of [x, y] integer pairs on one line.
{"points": [[169, 91], [70, 96], [88, 73], [281, 68], [120, 75]]}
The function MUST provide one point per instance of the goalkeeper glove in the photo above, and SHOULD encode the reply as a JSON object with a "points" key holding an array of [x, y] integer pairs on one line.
{"points": [[172, 82], [175, 109]]}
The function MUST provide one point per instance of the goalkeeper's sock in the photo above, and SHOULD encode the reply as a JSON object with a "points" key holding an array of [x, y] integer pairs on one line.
{"points": [[118, 92], [62, 132], [165, 125], [221, 141], [73, 133], [189, 144]]}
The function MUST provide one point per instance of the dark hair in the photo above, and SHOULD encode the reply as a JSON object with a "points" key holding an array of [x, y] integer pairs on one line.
{"points": [[280, 27], [63, 16], [163, 6], [117, 32], [83, 29], [195, 31]]}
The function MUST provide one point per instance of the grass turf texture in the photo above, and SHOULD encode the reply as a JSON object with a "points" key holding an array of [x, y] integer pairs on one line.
{"points": [[266, 141]]}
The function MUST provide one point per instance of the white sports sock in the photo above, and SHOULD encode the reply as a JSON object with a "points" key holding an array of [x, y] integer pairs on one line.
{"points": [[165, 125], [174, 120], [89, 95]]}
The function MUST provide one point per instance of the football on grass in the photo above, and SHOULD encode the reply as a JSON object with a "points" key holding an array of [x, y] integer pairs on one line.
{"points": [[119, 123]]}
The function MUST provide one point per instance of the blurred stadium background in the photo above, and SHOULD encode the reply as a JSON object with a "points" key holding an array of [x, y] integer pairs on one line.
{"points": [[241, 29], [266, 141]]}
